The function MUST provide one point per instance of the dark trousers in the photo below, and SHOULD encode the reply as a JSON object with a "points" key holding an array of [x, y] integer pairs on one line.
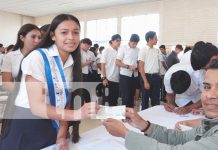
{"points": [[127, 88], [153, 93], [162, 89], [28, 134], [111, 93]]}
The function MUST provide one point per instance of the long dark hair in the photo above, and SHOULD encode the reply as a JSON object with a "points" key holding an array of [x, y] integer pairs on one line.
{"points": [[24, 30], [46, 43]]}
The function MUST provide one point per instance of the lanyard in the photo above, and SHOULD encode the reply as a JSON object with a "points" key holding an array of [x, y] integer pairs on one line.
{"points": [[50, 82]]}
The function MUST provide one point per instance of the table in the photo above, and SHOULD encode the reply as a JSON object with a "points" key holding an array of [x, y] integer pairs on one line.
{"points": [[98, 138]]}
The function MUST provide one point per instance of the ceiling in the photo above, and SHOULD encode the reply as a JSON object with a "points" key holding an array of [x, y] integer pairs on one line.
{"points": [[36, 8]]}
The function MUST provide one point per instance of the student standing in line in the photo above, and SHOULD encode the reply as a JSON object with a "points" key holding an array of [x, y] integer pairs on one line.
{"points": [[127, 58], [149, 70], [87, 57], [43, 94], [110, 71], [28, 37]]}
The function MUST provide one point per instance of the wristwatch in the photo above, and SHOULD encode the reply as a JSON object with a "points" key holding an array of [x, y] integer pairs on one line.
{"points": [[103, 78]]}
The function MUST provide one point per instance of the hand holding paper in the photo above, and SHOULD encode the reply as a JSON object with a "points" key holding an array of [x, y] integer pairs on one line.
{"points": [[115, 112]]}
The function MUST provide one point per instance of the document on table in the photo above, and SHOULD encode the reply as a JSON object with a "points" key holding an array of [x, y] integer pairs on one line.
{"points": [[115, 112]]}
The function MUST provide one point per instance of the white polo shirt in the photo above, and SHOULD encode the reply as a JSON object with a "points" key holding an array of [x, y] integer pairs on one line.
{"points": [[84, 57], [128, 56], [193, 93], [33, 65], [11, 62], [108, 57], [150, 57], [186, 57]]}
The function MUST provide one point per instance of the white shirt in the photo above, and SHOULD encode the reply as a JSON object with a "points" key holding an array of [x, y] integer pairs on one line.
{"points": [[128, 56], [162, 58], [108, 57], [84, 57], [193, 93], [11, 62], [186, 58], [33, 65], [150, 57]]}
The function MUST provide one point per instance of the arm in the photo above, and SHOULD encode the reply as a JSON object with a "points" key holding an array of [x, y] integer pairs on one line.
{"points": [[7, 81], [121, 64], [103, 71], [188, 109], [142, 72], [170, 98], [182, 141], [39, 108], [62, 136]]}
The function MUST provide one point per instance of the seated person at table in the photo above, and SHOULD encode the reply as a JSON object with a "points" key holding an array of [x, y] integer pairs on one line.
{"points": [[204, 137], [182, 89]]}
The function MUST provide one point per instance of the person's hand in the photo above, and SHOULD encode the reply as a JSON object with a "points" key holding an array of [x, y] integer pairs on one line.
{"points": [[183, 110], [178, 127], [132, 68], [105, 82], [64, 143], [197, 111], [169, 107], [89, 110], [133, 118], [146, 85], [115, 127], [88, 62]]}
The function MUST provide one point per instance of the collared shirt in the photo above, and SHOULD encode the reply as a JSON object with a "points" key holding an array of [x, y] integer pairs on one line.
{"points": [[11, 62], [33, 65], [193, 93], [162, 58], [108, 57], [150, 57], [128, 56], [85, 56]]}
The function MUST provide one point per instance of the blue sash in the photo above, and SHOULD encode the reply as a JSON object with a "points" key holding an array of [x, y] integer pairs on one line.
{"points": [[50, 82]]}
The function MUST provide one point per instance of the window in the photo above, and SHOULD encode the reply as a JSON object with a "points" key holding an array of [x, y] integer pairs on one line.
{"points": [[139, 25], [100, 31]]}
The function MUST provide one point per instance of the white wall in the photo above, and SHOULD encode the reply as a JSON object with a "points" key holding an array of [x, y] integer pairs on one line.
{"points": [[9, 26], [181, 21]]}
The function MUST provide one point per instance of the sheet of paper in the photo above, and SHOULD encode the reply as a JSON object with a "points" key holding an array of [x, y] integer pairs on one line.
{"points": [[52, 147], [115, 112]]}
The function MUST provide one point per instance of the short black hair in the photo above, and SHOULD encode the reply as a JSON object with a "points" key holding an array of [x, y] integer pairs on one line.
{"points": [[149, 35], [187, 48], [134, 38], [180, 81], [45, 27], [179, 46], [101, 48], [86, 41], [163, 46], [1, 45], [201, 54], [96, 45], [213, 64], [115, 37]]}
